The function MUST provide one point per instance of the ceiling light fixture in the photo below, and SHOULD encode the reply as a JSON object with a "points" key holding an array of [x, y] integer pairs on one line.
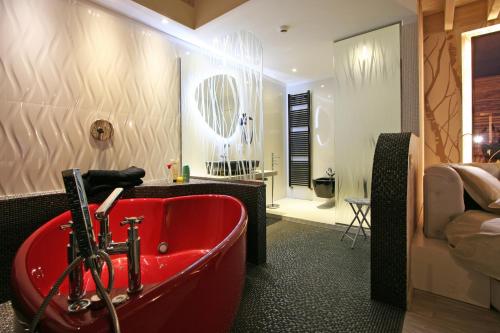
{"points": [[164, 21], [284, 28], [322, 86], [294, 70]]}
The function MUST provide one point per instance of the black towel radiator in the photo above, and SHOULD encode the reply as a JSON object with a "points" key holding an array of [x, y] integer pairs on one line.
{"points": [[299, 139]]}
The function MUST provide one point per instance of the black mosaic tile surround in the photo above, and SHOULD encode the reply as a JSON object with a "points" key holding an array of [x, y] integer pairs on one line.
{"points": [[313, 282], [388, 219], [21, 216]]}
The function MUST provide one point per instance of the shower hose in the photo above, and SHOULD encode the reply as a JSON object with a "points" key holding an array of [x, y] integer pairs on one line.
{"points": [[103, 292]]}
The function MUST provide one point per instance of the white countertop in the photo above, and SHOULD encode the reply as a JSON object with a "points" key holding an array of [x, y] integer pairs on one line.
{"points": [[258, 176]]}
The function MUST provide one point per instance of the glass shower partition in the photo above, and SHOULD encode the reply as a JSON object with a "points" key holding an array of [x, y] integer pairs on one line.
{"points": [[222, 115], [367, 102]]}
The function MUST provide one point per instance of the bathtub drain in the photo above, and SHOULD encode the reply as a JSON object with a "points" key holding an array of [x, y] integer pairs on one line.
{"points": [[163, 247]]}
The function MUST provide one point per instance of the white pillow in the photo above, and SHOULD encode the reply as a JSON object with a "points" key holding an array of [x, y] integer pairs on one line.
{"points": [[491, 226], [495, 205], [483, 187], [468, 223]]}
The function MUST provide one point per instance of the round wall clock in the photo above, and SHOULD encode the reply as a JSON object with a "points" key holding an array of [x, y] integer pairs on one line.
{"points": [[101, 130]]}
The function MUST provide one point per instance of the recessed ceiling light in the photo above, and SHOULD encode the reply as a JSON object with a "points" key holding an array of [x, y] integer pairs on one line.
{"points": [[164, 21], [322, 86], [294, 70], [284, 28]]}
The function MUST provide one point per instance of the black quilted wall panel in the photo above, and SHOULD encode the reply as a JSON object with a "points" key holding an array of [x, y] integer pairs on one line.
{"points": [[388, 217]]}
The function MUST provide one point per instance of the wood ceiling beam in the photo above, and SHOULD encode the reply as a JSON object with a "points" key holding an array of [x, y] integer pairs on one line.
{"points": [[449, 14], [493, 9]]}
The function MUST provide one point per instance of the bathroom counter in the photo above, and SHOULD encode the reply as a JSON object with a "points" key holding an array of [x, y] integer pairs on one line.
{"points": [[258, 176]]}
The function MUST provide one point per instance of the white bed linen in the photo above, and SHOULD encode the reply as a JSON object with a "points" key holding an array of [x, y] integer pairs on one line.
{"points": [[474, 239]]}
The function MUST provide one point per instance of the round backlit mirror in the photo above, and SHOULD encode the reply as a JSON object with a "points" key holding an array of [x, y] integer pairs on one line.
{"points": [[218, 103]]}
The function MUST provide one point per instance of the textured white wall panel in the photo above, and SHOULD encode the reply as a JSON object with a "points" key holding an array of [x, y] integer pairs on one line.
{"points": [[65, 64]]}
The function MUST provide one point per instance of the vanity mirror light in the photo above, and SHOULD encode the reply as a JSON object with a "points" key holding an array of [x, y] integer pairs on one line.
{"points": [[218, 102]]}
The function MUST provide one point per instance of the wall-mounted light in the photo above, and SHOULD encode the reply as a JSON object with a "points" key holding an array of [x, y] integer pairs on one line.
{"points": [[478, 139]]}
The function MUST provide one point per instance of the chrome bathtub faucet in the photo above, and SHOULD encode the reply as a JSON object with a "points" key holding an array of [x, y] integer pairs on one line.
{"points": [[133, 254], [102, 215], [131, 248], [76, 286]]}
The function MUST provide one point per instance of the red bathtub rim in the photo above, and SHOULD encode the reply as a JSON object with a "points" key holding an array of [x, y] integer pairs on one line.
{"points": [[31, 295]]}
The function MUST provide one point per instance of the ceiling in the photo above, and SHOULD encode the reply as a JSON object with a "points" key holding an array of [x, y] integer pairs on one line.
{"points": [[307, 46], [314, 25], [430, 7]]}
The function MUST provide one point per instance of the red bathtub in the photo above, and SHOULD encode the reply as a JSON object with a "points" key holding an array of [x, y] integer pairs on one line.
{"points": [[195, 286]]}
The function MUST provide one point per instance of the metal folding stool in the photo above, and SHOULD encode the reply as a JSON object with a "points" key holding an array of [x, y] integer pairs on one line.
{"points": [[357, 205]]}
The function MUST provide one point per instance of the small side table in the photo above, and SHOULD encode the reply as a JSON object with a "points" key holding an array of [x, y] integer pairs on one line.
{"points": [[361, 209]]}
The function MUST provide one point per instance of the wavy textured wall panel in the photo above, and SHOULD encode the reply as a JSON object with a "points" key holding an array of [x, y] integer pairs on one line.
{"points": [[443, 100], [67, 63]]}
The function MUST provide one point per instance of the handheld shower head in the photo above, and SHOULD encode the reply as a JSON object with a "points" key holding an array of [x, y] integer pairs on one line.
{"points": [[78, 205]]}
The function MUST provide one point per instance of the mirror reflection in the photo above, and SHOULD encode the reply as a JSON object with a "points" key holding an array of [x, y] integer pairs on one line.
{"points": [[218, 103]]}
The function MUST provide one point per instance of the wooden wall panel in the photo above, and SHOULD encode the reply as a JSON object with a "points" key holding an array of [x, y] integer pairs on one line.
{"points": [[443, 81]]}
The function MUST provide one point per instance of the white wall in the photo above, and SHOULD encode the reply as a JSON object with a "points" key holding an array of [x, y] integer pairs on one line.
{"points": [[274, 94], [67, 63], [322, 121]]}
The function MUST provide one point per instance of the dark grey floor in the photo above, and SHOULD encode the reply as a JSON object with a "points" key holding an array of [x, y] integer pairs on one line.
{"points": [[312, 282], [6, 318]]}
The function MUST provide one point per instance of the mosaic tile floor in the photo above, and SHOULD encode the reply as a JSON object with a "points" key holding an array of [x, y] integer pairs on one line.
{"points": [[6, 317], [312, 282]]}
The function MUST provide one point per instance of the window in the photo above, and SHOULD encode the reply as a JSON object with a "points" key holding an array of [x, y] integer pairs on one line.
{"points": [[486, 97]]}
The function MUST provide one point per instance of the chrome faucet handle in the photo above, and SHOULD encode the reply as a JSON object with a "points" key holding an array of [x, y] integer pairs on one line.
{"points": [[132, 221], [103, 211], [68, 225], [330, 172]]}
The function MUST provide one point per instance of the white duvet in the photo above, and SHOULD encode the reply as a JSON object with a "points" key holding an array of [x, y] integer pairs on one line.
{"points": [[474, 239]]}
